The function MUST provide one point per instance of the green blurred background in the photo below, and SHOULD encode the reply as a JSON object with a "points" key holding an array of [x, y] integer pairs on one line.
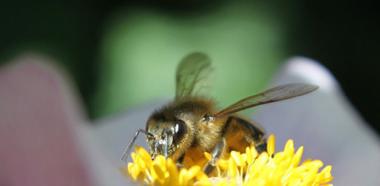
{"points": [[122, 54]]}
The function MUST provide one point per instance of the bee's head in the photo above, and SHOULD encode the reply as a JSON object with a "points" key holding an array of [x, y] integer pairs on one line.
{"points": [[173, 128], [166, 136]]}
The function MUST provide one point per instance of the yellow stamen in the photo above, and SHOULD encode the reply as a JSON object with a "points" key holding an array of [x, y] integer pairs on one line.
{"points": [[271, 146], [247, 168]]}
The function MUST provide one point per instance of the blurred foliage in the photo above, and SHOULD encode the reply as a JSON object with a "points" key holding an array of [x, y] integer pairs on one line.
{"points": [[142, 48]]}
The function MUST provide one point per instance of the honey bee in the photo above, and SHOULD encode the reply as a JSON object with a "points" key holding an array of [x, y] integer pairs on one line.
{"points": [[191, 125]]}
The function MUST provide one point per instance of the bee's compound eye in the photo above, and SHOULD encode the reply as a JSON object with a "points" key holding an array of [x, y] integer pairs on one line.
{"points": [[179, 130]]}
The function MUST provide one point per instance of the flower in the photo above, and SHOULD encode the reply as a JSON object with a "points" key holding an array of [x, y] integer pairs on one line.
{"points": [[248, 168]]}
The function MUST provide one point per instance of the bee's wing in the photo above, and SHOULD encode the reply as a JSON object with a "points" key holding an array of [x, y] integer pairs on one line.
{"points": [[192, 70], [278, 93]]}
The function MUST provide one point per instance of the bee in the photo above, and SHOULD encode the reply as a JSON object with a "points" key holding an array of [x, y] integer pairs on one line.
{"points": [[191, 124]]}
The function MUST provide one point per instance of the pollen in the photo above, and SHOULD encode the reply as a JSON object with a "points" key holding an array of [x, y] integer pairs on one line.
{"points": [[268, 168]]}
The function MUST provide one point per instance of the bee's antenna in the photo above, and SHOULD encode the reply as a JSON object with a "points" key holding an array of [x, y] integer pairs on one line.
{"points": [[127, 150]]}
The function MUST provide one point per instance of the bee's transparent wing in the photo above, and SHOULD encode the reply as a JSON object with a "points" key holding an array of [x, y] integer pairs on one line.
{"points": [[193, 69], [275, 94]]}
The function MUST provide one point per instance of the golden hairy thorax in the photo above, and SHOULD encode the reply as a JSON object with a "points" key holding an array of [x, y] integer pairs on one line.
{"points": [[236, 133]]}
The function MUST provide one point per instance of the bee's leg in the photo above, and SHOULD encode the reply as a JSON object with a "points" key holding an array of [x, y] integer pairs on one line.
{"points": [[127, 150], [260, 145], [180, 161], [215, 155]]}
